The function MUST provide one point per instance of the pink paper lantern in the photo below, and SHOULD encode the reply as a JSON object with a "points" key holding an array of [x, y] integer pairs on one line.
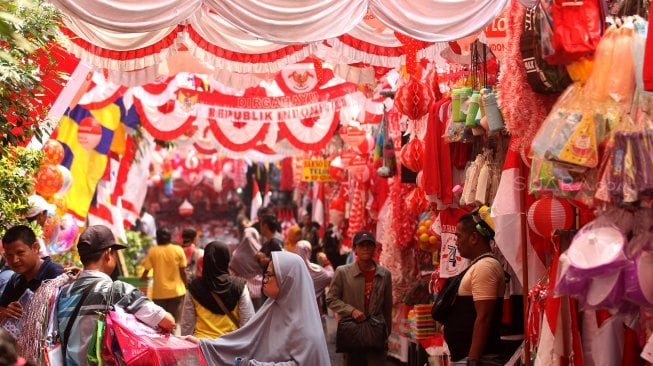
{"points": [[547, 215]]}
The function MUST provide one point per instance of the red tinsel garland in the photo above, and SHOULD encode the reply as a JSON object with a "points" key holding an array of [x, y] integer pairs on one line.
{"points": [[523, 109]]}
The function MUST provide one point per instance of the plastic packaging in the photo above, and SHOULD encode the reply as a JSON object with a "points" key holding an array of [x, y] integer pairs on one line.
{"points": [[473, 110], [492, 112]]}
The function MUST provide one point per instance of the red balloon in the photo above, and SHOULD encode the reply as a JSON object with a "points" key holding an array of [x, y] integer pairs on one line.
{"points": [[49, 180], [53, 151]]}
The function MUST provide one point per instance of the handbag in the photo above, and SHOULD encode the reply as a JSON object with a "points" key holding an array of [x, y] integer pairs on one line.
{"points": [[224, 309], [366, 336]]}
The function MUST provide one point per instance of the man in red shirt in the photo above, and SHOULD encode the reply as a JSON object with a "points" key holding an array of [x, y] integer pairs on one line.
{"points": [[360, 289]]}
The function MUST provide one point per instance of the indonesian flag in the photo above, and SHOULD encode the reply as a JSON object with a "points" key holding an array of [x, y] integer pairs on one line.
{"points": [[507, 212], [257, 201], [318, 205], [103, 211], [131, 182]]}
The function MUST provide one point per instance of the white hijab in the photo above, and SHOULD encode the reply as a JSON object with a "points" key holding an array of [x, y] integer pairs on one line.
{"points": [[288, 328], [243, 260]]}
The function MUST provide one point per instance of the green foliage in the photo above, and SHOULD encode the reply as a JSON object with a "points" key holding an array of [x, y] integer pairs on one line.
{"points": [[26, 26], [137, 246], [16, 183]]}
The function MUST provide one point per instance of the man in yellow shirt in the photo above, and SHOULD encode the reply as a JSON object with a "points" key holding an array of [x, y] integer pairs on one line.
{"points": [[169, 285]]}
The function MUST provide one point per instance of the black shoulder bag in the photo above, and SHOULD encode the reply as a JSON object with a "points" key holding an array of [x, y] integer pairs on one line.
{"points": [[447, 296]]}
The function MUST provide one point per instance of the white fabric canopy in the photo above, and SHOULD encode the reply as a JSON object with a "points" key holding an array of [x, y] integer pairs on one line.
{"points": [[437, 20], [128, 15], [291, 21]]}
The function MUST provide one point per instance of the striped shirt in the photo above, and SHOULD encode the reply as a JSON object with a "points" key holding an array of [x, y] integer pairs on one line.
{"points": [[124, 295]]}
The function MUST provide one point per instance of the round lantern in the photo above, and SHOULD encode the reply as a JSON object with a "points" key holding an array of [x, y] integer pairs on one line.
{"points": [[411, 155], [413, 99], [416, 201], [67, 179], [186, 209], [53, 152], [547, 215], [89, 133], [48, 180]]}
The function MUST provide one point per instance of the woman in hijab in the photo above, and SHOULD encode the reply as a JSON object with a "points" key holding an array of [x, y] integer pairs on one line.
{"points": [[286, 331], [321, 276], [244, 264], [203, 316]]}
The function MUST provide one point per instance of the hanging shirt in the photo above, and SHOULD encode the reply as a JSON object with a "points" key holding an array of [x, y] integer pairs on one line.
{"points": [[451, 263]]}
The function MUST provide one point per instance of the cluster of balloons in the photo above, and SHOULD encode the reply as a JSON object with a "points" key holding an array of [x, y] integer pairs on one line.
{"points": [[52, 182]]}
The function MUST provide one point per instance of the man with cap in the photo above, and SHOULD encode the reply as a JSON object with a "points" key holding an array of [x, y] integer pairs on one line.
{"points": [[21, 251], [97, 251], [38, 209], [360, 289], [38, 212]]}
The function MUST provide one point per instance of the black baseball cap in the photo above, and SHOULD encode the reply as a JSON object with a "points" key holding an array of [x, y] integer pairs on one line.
{"points": [[364, 237], [97, 238]]}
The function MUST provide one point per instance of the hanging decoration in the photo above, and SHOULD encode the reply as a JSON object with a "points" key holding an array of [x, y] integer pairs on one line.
{"points": [[53, 152], [48, 181], [547, 215], [413, 99]]}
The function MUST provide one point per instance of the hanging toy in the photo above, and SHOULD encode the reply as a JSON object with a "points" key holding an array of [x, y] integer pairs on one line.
{"points": [[389, 168]]}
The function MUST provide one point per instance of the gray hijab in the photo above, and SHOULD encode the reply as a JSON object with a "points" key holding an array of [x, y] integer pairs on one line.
{"points": [[285, 329], [243, 260]]}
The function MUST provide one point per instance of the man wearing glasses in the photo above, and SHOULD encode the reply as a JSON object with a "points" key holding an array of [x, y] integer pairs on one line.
{"points": [[362, 289]]}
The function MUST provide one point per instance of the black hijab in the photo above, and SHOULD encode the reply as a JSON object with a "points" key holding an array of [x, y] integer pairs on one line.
{"points": [[215, 278]]}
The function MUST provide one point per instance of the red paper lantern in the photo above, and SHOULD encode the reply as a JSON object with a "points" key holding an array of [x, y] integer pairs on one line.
{"points": [[416, 201], [547, 215], [53, 152], [49, 180], [412, 154], [413, 99], [186, 209]]}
